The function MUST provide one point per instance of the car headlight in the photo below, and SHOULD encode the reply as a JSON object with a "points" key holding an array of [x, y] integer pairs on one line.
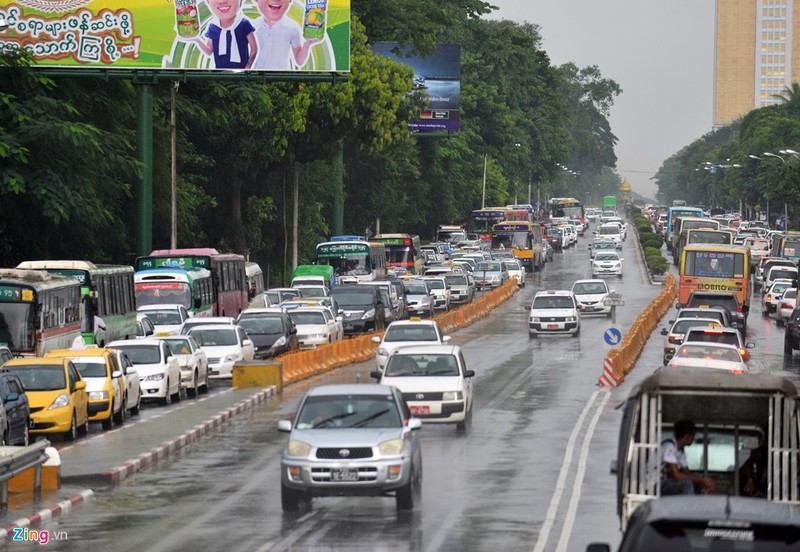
{"points": [[318, 336], [98, 395], [298, 448], [61, 401], [233, 357], [393, 447], [494, 278], [280, 342], [452, 396], [154, 377], [383, 352], [535, 319], [369, 314], [571, 318]]}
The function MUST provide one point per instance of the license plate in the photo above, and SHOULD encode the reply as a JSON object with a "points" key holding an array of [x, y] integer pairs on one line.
{"points": [[348, 326], [344, 475], [553, 326], [420, 410]]}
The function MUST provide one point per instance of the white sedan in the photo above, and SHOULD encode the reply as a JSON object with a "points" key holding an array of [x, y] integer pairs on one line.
{"points": [[159, 374], [193, 363], [434, 381], [698, 355], [607, 263], [770, 300], [133, 388], [590, 294], [315, 326], [785, 306], [225, 345], [515, 271], [414, 331]]}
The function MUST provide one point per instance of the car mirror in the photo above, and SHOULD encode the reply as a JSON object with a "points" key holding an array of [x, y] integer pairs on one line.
{"points": [[79, 385], [613, 467], [664, 331], [750, 345], [469, 373], [376, 375], [446, 338], [598, 547], [247, 343], [376, 339], [285, 426], [11, 397], [116, 374], [133, 371], [414, 423]]}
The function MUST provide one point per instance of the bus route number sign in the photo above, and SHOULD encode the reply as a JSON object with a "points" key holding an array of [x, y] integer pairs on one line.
{"points": [[14, 294]]}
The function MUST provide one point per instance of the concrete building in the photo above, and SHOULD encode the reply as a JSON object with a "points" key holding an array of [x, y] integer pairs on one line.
{"points": [[757, 54]]}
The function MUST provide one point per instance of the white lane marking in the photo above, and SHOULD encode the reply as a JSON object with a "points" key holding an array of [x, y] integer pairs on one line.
{"points": [[569, 521], [445, 529], [565, 465]]}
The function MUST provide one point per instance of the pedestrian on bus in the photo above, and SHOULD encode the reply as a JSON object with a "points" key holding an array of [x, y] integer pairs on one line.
{"points": [[676, 478]]}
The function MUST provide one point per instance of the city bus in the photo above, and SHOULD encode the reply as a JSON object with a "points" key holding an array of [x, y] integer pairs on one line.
{"points": [[673, 214], [482, 220], [787, 246], [193, 289], [567, 207], [721, 268], [106, 292], [255, 279], [402, 250], [228, 274], [450, 233], [353, 260], [689, 223], [39, 311], [521, 213], [524, 238]]}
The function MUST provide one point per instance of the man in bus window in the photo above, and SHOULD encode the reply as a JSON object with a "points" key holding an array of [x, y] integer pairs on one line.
{"points": [[676, 479]]}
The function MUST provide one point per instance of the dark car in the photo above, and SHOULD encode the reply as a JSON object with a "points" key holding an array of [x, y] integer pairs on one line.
{"points": [[791, 340], [727, 301], [272, 333], [709, 522], [362, 306], [18, 411]]}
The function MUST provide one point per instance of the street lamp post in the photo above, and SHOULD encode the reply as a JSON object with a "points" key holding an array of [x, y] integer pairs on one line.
{"points": [[785, 203]]}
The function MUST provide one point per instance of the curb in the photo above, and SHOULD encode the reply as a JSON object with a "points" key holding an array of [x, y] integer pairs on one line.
{"points": [[45, 515], [117, 474]]}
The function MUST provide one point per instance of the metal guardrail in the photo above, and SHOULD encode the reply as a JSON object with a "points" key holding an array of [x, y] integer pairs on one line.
{"points": [[32, 456]]}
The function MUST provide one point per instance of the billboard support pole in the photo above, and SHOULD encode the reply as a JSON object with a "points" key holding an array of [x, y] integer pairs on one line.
{"points": [[144, 154], [338, 190]]}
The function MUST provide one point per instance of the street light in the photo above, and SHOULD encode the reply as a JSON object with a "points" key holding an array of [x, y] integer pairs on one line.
{"points": [[768, 154], [789, 152]]}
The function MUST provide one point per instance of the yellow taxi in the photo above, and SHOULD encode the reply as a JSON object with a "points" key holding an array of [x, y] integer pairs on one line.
{"points": [[99, 368], [56, 393]]}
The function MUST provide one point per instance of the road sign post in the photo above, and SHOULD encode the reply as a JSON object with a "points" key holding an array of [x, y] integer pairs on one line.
{"points": [[613, 300]]}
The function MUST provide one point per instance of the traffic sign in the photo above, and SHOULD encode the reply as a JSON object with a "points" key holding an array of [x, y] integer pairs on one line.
{"points": [[612, 336], [613, 300]]}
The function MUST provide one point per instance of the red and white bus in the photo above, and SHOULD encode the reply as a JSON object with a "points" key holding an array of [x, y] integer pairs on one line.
{"points": [[228, 274]]}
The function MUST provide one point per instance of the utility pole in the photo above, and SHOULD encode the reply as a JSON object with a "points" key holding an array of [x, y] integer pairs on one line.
{"points": [[173, 238], [483, 195]]}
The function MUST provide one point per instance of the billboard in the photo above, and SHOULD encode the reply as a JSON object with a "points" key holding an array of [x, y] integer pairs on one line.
{"points": [[257, 35], [440, 76]]}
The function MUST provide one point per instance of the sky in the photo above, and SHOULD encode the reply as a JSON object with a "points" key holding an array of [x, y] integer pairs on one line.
{"points": [[661, 53]]}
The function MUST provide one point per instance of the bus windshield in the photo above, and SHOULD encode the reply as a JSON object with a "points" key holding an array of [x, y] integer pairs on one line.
{"points": [[347, 259], [511, 240], [16, 326], [399, 255], [714, 264], [164, 293]]}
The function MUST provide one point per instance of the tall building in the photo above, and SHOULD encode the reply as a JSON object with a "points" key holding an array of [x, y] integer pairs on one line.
{"points": [[757, 54]]}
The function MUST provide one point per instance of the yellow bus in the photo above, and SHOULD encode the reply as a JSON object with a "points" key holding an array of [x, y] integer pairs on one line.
{"points": [[720, 268], [524, 239]]}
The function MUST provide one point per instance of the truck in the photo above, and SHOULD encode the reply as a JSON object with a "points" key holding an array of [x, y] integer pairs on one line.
{"points": [[610, 205], [735, 414]]}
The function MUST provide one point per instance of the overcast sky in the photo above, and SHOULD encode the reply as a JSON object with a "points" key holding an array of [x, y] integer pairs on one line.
{"points": [[660, 52]]}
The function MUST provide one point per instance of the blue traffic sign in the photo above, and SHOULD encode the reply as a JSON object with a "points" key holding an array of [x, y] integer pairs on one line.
{"points": [[612, 336]]}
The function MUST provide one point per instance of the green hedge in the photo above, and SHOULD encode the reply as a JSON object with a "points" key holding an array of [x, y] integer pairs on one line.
{"points": [[656, 262], [651, 239]]}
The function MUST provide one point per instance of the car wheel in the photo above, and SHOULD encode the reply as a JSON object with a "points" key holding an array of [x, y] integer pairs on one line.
{"points": [[137, 406], [531, 335], [463, 425], [764, 313], [84, 428], [290, 499], [178, 396], [4, 439], [167, 397], [119, 417], [787, 348], [72, 432], [779, 322], [577, 332], [108, 423], [193, 391], [406, 494], [26, 434]]}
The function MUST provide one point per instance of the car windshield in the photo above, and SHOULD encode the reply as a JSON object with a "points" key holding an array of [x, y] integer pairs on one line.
{"points": [[142, 354], [348, 411], [410, 332], [37, 377], [782, 273], [709, 352], [589, 288], [214, 338], [606, 257], [712, 336], [489, 267], [672, 535], [312, 292], [716, 315], [353, 298], [315, 318], [553, 302], [257, 325], [684, 324], [180, 346], [456, 280], [608, 230], [512, 265], [415, 288], [165, 317], [436, 284], [91, 367], [407, 365], [780, 287], [604, 245]]}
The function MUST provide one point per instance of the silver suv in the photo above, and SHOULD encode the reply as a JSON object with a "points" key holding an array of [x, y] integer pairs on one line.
{"points": [[352, 440]]}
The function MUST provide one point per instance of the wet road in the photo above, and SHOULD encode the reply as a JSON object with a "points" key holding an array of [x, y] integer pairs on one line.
{"points": [[532, 473]]}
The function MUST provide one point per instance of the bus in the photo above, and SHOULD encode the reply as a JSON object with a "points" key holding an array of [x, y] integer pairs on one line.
{"points": [[450, 233], [610, 204], [402, 250], [689, 223], [482, 220], [107, 292], [353, 260], [721, 268], [786, 245], [519, 215], [567, 207], [255, 279], [524, 238], [228, 273], [674, 214], [193, 288], [39, 311]]}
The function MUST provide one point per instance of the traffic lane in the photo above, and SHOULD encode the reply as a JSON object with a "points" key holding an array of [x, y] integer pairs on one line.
{"points": [[532, 386]]}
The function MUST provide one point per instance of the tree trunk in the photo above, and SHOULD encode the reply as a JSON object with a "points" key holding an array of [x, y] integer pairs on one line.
{"points": [[237, 226]]}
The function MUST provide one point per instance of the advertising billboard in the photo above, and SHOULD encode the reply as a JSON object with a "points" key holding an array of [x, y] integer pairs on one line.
{"points": [[440, 76], [256, 35]]}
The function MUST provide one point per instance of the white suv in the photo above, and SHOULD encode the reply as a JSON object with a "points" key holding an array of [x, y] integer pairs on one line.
{"points": [[407, 332], [554, 312]]}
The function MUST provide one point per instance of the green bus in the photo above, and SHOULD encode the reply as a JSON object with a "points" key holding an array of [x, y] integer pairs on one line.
{"points": [[108, 306], [610, 203]]}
